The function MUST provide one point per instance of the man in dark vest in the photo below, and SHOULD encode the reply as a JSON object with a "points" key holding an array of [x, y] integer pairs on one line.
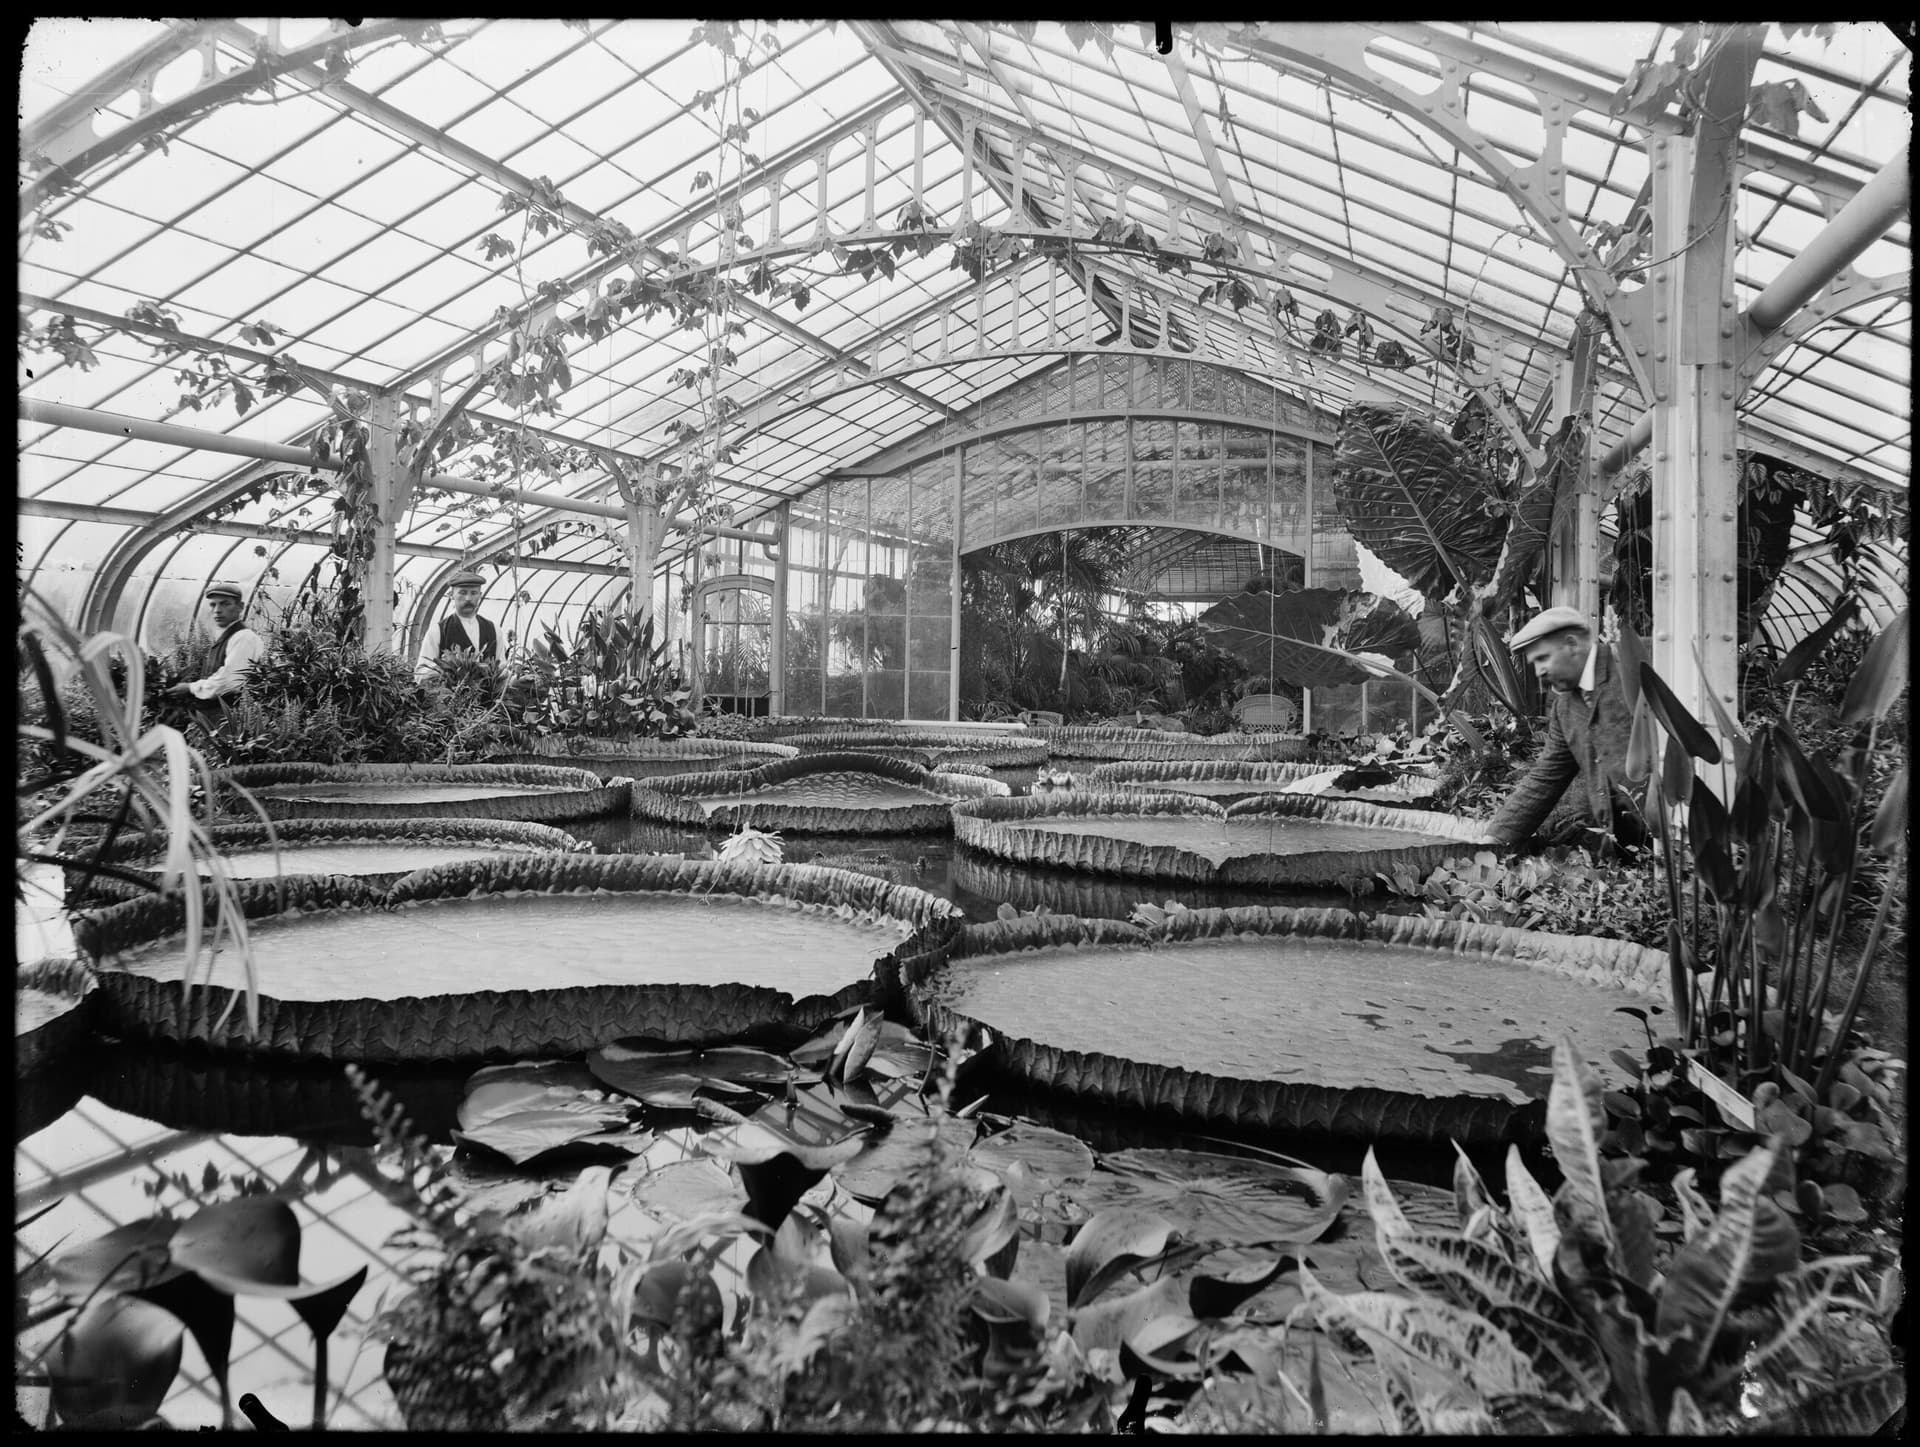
{"points": [[461, 630], [235, 650], [1588, 727]]}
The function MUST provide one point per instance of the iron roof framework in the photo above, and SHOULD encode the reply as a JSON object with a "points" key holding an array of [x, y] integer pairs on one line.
{"points": [[339, 184]]}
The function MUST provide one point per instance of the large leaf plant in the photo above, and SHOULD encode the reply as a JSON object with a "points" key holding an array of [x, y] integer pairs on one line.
{"points": [[1562, 1313]]}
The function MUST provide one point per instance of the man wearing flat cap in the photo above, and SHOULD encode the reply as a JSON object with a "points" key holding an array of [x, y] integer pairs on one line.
{"points": [[461, 630], [235, 651], [1588, 726]]}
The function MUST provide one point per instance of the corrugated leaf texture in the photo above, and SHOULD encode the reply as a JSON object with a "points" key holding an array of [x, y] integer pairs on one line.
{"points": [[1365, 1114], [675, 800], [576, 793], [1416, 499], [43, 1045], [501, 1024]]}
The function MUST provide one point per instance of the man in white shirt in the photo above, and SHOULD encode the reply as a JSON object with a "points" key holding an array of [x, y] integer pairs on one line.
{"points": [[462, 629], [235, 651]]}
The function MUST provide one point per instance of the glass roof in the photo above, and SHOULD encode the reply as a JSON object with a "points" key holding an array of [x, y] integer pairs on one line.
{"points": [[353, 209]]}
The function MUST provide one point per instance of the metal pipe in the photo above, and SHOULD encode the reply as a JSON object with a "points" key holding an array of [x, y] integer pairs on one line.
{"points": [[1637, 437], [88, 419], [1856, 226], [78, 512]]}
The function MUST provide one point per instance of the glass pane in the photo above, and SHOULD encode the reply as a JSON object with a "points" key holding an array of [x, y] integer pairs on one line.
{"points": [[1153, 469]]}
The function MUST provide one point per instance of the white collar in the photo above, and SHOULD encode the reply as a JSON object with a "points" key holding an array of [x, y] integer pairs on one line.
{"points": [[1586, 674]]}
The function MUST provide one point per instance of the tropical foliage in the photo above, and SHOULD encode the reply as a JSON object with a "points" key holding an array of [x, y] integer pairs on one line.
{"points": [[316, 696], [1771, 491], [614, 681], [77, 796], [1046, 624], [124, 1303], [1563, 1313], [914, 1305]]}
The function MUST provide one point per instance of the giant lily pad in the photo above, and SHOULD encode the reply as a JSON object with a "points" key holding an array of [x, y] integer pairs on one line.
{"points": [[926, 747], [1303, 1021], [442, 972], [1271, 840], [814, 794], [1104, 741], [535, 793], [379, 851], [650, 758]]}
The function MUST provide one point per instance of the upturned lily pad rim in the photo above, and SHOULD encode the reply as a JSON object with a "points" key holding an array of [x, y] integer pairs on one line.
{"points": [[505, 1024], [261, 776], [1256, 771], [691, 746], [672, 799], [51, 1040], [552, 793], [993, 826], [1362, 1113]]}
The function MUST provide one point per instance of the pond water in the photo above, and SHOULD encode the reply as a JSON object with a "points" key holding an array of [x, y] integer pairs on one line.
{"points": [[92, 1134], [978, 883]]}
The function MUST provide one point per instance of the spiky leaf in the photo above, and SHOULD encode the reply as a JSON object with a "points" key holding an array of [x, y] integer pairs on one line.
{"points": [[1533, 1208], [1576, 1119], [1708, 1273], [1456, 1342]]}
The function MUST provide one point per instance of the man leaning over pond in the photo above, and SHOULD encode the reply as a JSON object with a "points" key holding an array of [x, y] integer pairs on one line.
{"points": [[1588, 726]]}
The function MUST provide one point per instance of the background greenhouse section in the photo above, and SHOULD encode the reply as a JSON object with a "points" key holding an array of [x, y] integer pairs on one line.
{"points": [[1086, 324], [353, 225]]}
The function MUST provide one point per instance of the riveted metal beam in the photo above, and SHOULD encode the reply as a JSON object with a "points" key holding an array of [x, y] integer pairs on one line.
{"points": [[74, 148], [1537, 190], [1696, 483]]}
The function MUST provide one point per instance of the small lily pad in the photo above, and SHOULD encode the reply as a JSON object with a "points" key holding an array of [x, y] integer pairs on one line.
{"points": [[684, 1190], [670, 1078], [528, 1135]]}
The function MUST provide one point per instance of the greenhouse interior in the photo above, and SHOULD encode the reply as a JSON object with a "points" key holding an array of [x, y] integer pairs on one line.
{"points": [[1369, 559]]}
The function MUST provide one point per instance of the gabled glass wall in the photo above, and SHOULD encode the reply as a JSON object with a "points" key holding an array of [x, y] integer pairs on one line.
{"points": [[1096, 440]]}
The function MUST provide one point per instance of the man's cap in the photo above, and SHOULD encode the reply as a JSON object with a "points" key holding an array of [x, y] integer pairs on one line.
{"points": [[467, 578], [225, 590], [1551, 620]]}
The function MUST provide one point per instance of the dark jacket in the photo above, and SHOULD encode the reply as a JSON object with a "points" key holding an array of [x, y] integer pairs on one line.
{"points": [[453, 636], [1584, 741]]}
